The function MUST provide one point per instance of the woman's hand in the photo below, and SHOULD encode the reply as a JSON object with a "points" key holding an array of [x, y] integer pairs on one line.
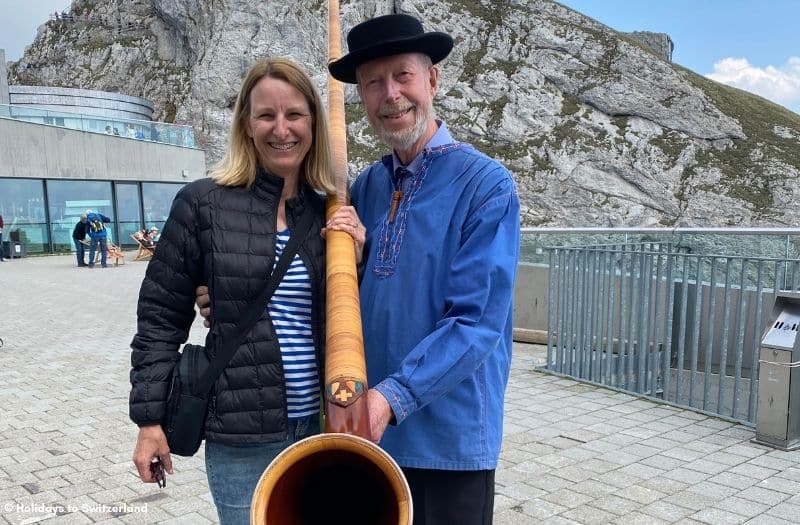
{"points": [[151, 444], [346, 219], [203, 301]]}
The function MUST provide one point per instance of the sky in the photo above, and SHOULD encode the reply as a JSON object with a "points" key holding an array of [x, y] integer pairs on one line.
{"points": [[19, 21], [751, 44]]}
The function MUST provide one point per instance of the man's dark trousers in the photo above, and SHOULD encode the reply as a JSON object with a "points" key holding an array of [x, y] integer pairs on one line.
{"points": [[80, 249], [449, 497], [93, 248]]}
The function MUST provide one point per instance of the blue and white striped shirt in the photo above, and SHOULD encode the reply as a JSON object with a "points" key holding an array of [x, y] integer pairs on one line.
{"points": [[290, 311]]}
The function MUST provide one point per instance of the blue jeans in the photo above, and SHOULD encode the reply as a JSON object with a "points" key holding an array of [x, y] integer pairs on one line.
{"points": [[93, 248], [234, 470], [80, 249]]}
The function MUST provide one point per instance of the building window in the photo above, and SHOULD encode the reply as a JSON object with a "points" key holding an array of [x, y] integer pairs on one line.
{"points": [[22, 208], [157, 199], [68, 199], [129, 216]]}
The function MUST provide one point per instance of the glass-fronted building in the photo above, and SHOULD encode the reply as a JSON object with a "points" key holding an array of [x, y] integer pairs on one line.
{"points": [[60, 156], [41, 213]]}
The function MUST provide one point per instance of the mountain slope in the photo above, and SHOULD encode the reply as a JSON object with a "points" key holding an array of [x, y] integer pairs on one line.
{"points": [[597, 130]]}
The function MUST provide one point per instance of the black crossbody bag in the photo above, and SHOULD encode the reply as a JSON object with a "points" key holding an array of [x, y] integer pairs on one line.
{"points": [[194, 375]]}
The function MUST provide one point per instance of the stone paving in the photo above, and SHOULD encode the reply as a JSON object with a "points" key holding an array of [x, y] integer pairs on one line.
{"points": [[573, 453]]}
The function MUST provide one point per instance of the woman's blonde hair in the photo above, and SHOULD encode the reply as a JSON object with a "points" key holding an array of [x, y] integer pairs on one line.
{"points": [[238, 167]]}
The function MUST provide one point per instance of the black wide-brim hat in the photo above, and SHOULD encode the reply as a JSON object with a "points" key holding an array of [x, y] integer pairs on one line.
{"points": [[385, 36]]}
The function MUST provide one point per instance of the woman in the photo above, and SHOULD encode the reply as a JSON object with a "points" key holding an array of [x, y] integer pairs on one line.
{"points": [[226, 232], [144, 236]]}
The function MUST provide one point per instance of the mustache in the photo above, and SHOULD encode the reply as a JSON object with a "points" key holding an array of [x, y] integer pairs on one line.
{"points": [[391, 109]]}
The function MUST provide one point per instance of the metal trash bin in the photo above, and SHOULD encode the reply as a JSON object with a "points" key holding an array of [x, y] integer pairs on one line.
{"points": [[13, 249], [778, 417]]}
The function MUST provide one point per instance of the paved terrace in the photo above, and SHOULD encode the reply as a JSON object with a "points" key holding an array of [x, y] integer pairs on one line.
{"points": [[573, 453]]}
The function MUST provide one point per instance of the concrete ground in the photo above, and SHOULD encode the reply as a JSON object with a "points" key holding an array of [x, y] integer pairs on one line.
{"points": [[573, 453]]}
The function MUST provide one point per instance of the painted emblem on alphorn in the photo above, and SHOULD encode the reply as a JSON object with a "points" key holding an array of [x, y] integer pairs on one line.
{"points": [[344, 392]]}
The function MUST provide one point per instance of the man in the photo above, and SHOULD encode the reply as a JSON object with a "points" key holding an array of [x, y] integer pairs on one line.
{"points": [[440, 255], [97, 235], [78, 238], [1, 239]]}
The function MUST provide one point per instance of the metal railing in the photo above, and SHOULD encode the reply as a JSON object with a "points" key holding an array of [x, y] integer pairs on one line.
{"points": [[161, 132], [766, 242], [663, 321]]}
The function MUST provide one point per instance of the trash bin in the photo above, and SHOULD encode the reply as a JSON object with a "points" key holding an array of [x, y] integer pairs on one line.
{"points": [[778, 416], [13, 249]]}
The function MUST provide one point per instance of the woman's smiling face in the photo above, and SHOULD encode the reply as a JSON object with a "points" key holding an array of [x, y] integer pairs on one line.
{"points": [[281, 126]]}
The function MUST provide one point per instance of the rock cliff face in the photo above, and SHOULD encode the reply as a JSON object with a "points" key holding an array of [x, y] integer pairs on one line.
{"points": [[597, 130]]}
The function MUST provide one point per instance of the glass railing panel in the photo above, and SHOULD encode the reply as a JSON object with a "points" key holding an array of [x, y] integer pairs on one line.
{"points": [[162, 132]]}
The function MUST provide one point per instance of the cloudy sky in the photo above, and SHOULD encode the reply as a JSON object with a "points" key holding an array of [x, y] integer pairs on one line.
{"points": [[19, 21], [751, 44]]}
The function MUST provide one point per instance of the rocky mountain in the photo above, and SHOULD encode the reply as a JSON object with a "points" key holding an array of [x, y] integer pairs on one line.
{"points": [[597, 129]]}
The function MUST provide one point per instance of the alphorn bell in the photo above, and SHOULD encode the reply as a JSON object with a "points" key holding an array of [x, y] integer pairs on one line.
{"points": [[339, 477]]}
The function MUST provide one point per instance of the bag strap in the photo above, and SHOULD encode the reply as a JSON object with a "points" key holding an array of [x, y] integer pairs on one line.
{"points": [[255, 309]]}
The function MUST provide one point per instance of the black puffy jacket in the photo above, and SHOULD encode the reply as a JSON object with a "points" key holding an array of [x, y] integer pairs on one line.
{"points": [[223, 237]]}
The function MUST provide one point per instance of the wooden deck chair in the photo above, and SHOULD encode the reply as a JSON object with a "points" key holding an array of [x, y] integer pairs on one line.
{"points": [[113, 252], [143, 252]]}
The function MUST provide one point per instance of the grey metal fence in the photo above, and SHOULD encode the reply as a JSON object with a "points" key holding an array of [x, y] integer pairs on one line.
{"points": [[655, 319]]}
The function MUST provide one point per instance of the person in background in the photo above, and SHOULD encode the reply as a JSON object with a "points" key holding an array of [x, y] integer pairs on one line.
{"points": [[226, 233], [441, 250], [187, 136], [78, 238], [146, 239], [144, 236], [1, 239], [154, 234], [98, 235]]}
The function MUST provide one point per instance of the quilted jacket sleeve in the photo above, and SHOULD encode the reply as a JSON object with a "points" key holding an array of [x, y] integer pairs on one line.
{"points": [[166, 308]]}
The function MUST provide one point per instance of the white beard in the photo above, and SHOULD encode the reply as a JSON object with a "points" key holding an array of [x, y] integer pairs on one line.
{"points": [[403, 139]]}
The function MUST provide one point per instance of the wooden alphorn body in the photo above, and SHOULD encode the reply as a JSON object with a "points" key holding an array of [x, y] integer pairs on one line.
{"points": [[339, 477]]}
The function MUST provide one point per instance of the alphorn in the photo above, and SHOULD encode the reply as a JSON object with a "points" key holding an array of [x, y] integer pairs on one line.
{"points": [[339, 476]]}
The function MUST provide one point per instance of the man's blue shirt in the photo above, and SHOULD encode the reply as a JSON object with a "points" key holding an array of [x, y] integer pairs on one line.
{"points": [[436, 302]]}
